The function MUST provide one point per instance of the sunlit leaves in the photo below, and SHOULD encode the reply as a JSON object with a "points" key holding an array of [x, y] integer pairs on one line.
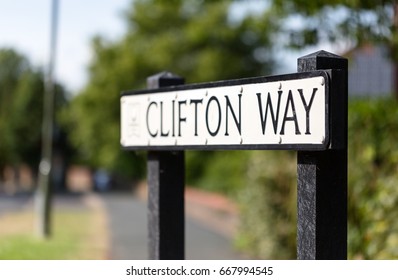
{"points": [[194, 39]]}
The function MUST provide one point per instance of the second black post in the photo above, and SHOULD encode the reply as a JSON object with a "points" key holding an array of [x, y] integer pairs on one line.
{"points": [[322, 175]]}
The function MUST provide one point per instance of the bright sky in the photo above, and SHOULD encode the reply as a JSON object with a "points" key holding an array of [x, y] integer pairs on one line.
{"points": [[25, 26]]}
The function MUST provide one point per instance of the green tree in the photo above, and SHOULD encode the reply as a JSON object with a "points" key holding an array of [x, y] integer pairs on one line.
{"points": [[308, 23], [27, 117], [12, 67], [21, 103], [21, 89], [195, 39]]}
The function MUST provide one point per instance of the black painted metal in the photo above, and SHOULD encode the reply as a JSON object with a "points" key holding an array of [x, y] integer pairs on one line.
{"points": [[322, 175], [166, 179]]}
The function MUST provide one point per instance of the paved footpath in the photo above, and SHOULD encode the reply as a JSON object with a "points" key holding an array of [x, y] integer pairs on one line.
{"points": [[128, 230], [14, 203]]}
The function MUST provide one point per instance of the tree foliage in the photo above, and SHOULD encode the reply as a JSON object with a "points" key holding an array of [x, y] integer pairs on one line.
{"points": [[21, 89], [354, 22], [21, 103], [194, 39]]}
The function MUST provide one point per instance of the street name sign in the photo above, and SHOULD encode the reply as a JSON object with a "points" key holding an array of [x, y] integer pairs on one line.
{"points": [[286, 112]]}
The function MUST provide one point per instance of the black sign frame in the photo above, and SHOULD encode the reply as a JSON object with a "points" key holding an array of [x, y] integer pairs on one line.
{"points": [[326, 74]]}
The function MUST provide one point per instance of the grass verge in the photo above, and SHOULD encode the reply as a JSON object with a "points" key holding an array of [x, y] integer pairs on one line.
{"points": [[77, 234]]}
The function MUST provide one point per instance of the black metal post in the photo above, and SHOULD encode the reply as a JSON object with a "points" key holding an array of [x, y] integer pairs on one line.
{"points": [[322, 175], [166, 181]]}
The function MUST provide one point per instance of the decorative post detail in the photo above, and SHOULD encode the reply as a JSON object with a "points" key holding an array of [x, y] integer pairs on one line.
{"points": [[166, 181], [322, 175]]}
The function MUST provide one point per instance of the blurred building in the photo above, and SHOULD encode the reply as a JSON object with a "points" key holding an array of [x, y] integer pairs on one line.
{"points": [[371, 72]]}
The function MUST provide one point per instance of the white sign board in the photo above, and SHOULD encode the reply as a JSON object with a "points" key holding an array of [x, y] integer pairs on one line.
{"points": [[289, 113]]}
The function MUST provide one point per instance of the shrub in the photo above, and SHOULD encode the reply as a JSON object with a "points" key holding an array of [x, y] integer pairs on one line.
{"points": [[373, 179]]}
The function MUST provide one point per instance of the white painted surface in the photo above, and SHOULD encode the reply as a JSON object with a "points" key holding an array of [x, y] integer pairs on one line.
{"points": [[192, 117]]}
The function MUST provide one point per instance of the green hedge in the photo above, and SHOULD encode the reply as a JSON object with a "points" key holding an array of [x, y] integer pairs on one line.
{"points": [[373, 179]]}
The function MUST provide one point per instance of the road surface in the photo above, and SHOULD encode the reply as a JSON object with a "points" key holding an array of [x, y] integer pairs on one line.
{"points": [[128, 229]]}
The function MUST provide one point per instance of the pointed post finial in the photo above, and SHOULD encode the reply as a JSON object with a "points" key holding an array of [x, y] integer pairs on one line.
{"points": [[321, 60]]}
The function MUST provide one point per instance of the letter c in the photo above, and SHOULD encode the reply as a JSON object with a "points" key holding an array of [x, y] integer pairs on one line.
{"points": [[147, 119]]}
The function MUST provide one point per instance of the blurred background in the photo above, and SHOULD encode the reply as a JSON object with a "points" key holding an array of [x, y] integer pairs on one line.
{"points": [[245, 200]]}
